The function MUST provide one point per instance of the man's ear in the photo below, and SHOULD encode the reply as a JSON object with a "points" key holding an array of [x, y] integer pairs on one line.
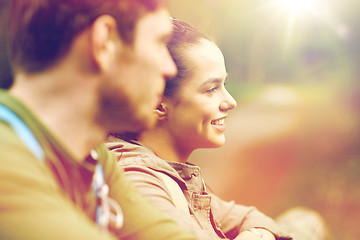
{"points": [[104, 40], [161, 111]]}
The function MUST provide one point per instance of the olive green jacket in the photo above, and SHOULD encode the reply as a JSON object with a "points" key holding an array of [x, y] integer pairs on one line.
{"points": [[55, 199]]}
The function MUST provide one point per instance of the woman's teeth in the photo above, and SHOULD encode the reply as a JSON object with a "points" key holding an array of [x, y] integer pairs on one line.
{"points": [[218, 122]]}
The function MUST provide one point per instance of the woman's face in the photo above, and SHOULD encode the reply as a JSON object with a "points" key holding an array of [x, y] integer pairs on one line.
{"points": [[197, 111]]}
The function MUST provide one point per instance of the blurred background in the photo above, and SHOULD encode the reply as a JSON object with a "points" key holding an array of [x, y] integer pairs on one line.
{"points": [[294, 138]]}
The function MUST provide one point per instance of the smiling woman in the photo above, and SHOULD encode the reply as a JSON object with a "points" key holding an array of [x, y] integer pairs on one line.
{"points": [[195, 113], [190, 116]]}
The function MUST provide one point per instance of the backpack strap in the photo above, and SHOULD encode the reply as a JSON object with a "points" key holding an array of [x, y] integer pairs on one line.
{"points": [[176, 193], [23, 131]]}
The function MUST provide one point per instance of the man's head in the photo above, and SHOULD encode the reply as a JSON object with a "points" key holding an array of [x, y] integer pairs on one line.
{"points": [[41, 31], [135, 80], [120, 43]]}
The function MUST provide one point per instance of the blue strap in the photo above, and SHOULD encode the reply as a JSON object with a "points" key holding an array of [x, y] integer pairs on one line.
{"points": [[22, 131]]}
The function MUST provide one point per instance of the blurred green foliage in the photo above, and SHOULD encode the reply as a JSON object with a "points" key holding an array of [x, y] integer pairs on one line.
{"points": [[262, 45]]}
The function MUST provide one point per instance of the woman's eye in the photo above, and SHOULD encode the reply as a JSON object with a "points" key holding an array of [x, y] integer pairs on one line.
{"points": [[213, 89]]}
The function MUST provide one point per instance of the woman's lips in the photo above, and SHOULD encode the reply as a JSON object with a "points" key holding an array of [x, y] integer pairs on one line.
{"points": [[219, 124], [220, 121]]}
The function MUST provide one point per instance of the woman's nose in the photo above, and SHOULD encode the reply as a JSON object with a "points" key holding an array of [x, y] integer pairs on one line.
{"points": [[228, 103]]}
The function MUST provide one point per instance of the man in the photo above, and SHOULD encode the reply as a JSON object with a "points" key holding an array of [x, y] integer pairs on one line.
{"points": [[82, 69]]}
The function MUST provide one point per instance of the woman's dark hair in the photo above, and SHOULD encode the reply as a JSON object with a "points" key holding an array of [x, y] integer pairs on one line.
{"points": [[184, 35], [41, 31]]}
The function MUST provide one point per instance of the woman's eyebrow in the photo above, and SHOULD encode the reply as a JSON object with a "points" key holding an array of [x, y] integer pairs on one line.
{"points": [[215, 80]]}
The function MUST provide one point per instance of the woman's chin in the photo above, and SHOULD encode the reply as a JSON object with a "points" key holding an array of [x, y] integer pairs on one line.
{"points": [[216, 143]]}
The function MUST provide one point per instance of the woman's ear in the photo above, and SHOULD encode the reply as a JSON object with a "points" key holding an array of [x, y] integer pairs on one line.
{"points": [[161, 111]]}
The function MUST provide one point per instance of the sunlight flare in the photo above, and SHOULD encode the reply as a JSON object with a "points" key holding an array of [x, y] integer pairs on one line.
{"points": [[297, 6]]}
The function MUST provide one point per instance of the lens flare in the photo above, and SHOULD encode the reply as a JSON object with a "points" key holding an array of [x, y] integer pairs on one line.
{"points": [[295, 6]]}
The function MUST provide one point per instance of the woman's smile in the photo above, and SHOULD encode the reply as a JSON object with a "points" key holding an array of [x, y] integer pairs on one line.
{"points": [[219, 123]]}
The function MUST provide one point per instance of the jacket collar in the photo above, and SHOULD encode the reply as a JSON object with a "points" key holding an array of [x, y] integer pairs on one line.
{"points": [[136, 153]]}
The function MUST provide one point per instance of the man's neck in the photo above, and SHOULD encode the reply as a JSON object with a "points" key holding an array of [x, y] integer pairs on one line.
{"points": [[65, 108]]}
